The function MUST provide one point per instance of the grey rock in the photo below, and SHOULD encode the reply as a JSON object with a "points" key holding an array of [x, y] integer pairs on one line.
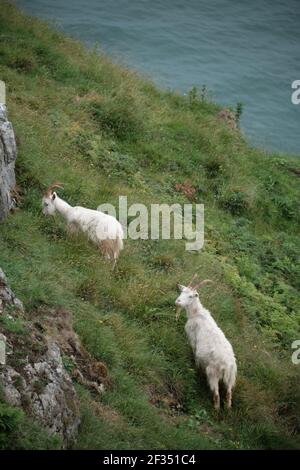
{"points": [[2, 349], [40, 385], [8, 156], [7, 297], [47, 392], [9, 377]]}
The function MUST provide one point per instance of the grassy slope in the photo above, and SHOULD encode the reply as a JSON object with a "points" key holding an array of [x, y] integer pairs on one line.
{"points": [[104, 131]]}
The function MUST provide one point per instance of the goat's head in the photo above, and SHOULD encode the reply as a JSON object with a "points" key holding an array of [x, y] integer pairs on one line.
{"points": [[188, 294], [49, 198]]}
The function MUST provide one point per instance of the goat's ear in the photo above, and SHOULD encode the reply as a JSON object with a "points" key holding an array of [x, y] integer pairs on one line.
{"points": [[180, 287], [53, 196]]}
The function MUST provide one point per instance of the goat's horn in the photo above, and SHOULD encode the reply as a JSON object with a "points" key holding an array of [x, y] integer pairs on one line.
{"points": [[202, 283], [53, 186], [193, 278]]}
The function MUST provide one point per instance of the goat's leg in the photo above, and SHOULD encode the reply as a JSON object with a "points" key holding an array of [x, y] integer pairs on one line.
{"points": [[229, 381], [106, 249], [115, 252], [72, 228], [214, 386], [229, 398], [216, 400]]}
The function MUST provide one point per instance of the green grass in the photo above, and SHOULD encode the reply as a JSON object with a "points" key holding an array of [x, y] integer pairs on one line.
{"points": [[104, 131]]}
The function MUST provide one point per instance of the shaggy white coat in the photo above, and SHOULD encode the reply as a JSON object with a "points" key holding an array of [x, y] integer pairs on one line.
{"points": [[212, 351], [102, 229]]}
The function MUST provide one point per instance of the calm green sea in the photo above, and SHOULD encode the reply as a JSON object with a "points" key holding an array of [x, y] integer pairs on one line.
{"points": [[241, 50]]}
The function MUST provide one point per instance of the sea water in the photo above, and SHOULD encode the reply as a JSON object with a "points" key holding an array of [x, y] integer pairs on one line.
{"points": [[243, 51]]}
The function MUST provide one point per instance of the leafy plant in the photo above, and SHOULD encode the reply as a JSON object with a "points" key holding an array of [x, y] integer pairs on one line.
{"points": [[235, 202], [238, 113], [193, 95]]}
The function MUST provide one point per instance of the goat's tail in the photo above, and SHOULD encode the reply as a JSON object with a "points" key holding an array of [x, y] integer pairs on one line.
{"points": [[230, 376]]}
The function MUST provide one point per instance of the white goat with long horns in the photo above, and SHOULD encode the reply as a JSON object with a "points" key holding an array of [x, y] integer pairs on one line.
{"points": [[102, 229], [212, 351]]}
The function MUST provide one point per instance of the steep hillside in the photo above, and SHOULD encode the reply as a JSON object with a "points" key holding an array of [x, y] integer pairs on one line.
{"points": [[104, 131]]}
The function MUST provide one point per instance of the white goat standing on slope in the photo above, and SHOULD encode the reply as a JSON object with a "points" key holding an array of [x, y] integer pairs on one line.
{"points": [[212, 351], [102, 229]]}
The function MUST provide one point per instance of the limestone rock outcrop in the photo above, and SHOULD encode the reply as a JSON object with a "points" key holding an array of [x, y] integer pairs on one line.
{"points": [[33, 375], [8, 156]]}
